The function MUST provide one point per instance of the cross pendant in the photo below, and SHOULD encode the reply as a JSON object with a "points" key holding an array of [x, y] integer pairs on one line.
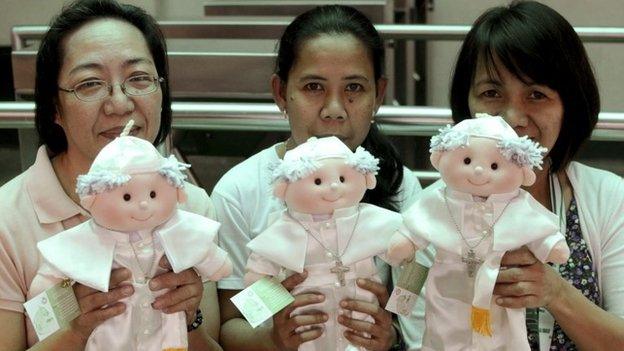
{"points": [[339, 270], [472, 262]]}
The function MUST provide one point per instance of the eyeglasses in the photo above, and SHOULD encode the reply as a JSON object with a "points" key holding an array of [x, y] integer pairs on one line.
{"points": [[97, 89]]}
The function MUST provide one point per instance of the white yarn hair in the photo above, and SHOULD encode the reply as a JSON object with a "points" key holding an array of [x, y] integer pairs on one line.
{"points": [[293, 170], [520, 150], [106, 180]]}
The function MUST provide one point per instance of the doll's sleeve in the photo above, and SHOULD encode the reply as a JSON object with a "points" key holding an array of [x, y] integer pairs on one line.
{"points": [[261, 265], [554, 244], [46, 277]]}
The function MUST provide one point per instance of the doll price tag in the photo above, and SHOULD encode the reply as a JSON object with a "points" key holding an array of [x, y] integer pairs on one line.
{"points": [[261, 300], [53, 309], [406, 290]]}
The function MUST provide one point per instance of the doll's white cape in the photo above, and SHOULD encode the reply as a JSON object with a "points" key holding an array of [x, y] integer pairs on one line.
{"points": [[285, 241], [85, 252]]}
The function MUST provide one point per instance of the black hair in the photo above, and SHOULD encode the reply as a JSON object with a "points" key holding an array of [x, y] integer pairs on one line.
{"points": [[50, 56], [338, 20], [533, 41]]}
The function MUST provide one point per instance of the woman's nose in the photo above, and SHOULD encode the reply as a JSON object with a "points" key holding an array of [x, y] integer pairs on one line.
{"points": [[516, 115], [334, 108], [118, 103]]}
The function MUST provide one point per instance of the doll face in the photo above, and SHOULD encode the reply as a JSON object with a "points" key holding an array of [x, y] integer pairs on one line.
{"points": [[334, 185], [145, 202], [479, 169]]}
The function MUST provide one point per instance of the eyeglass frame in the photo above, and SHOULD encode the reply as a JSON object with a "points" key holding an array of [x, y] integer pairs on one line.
{"points": [[110, 87]]}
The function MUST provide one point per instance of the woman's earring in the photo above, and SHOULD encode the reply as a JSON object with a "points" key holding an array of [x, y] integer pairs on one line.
{"points": [[285, 114], [373, 118]]}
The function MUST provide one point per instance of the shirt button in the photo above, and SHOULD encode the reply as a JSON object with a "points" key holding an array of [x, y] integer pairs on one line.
{"points": [[141, 280], [329, 254], [327, 225], [145, 304], [146, 331]]}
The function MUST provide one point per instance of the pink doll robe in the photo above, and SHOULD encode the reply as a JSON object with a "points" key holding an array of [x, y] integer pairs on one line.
{"points": [[451, 293], [286, 244], [88, 252]]}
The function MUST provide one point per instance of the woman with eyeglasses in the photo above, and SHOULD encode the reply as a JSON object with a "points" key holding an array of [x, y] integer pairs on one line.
{"points": [[100, 65]]}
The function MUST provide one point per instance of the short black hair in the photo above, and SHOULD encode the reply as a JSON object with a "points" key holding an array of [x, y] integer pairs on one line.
{"points": [[533, 41], [346, 20], [329, 19], [50, 55]]}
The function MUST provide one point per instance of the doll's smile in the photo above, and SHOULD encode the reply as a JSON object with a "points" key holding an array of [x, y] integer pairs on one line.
{"points": [[476, 184], [142, 220]]}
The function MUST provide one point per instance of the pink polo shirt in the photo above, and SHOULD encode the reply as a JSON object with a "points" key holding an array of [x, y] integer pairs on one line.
{"points": [[33, 207]]}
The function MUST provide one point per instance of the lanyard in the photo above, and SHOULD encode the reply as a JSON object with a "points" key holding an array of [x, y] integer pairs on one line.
{"points": [[546, 320]]}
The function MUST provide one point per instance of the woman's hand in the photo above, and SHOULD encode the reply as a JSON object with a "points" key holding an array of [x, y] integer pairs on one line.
{"points": [[524, 281], [378, 336], [97, 307], [284, 334], [185, 294]]}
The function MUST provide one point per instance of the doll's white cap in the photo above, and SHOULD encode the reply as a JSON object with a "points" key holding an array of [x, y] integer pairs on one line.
{"points": [[128, 155], [301, 161], [319, 148], [486, 126]]}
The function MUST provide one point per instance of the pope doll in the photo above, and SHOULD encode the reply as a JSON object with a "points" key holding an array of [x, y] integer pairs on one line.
{"points": [[132, 193], [325, 230], [479, 214]]}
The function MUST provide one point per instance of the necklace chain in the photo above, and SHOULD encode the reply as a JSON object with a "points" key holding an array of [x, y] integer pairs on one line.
{"points": [[336, 254], [489, 232]]}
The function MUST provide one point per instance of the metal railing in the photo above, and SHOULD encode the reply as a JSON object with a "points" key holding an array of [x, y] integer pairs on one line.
{"points": [[265, 29], [393, 120]]}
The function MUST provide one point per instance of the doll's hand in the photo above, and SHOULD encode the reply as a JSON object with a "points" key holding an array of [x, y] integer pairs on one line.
{"points": [[185, 294], [284, 333], [96, 307], [524, 281], [379, 335], [400, 249]]}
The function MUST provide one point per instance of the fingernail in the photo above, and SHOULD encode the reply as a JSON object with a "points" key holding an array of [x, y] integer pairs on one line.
{"points": [[127, 290], [325, 318], [343, 303], [154, 284], [156, 305], [320, 297], [499, 301], [361, 281]]}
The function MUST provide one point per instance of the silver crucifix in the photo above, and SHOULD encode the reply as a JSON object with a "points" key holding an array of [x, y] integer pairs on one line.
{"points": [[339, 270], [472, 262]]}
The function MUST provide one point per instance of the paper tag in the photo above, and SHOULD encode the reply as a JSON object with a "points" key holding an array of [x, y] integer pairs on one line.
{"points": [[406, 290], [53, 309], [262, 300]]}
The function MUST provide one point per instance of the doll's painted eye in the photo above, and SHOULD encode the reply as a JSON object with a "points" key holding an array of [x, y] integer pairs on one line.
{"points": [[127, 197], [341, 179], [317, 181], [152, 194], [494, 166], [467, 161]]}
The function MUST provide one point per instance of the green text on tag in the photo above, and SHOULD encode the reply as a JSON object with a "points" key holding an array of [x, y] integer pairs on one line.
{"points": [[53, 309], [261, 300]]}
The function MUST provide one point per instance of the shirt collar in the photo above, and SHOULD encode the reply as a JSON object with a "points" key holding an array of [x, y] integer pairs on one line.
{"points": [[50, 202], [503, 197], [338, 213]]}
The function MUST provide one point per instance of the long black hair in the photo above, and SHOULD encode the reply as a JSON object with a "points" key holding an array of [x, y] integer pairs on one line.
{"points": [[533, 41], [338, 19], [50, 56]]}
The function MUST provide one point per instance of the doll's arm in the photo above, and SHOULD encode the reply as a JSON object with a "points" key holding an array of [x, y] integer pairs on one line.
{"points": [[402, 246], [553, 249], [259, 267]]}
